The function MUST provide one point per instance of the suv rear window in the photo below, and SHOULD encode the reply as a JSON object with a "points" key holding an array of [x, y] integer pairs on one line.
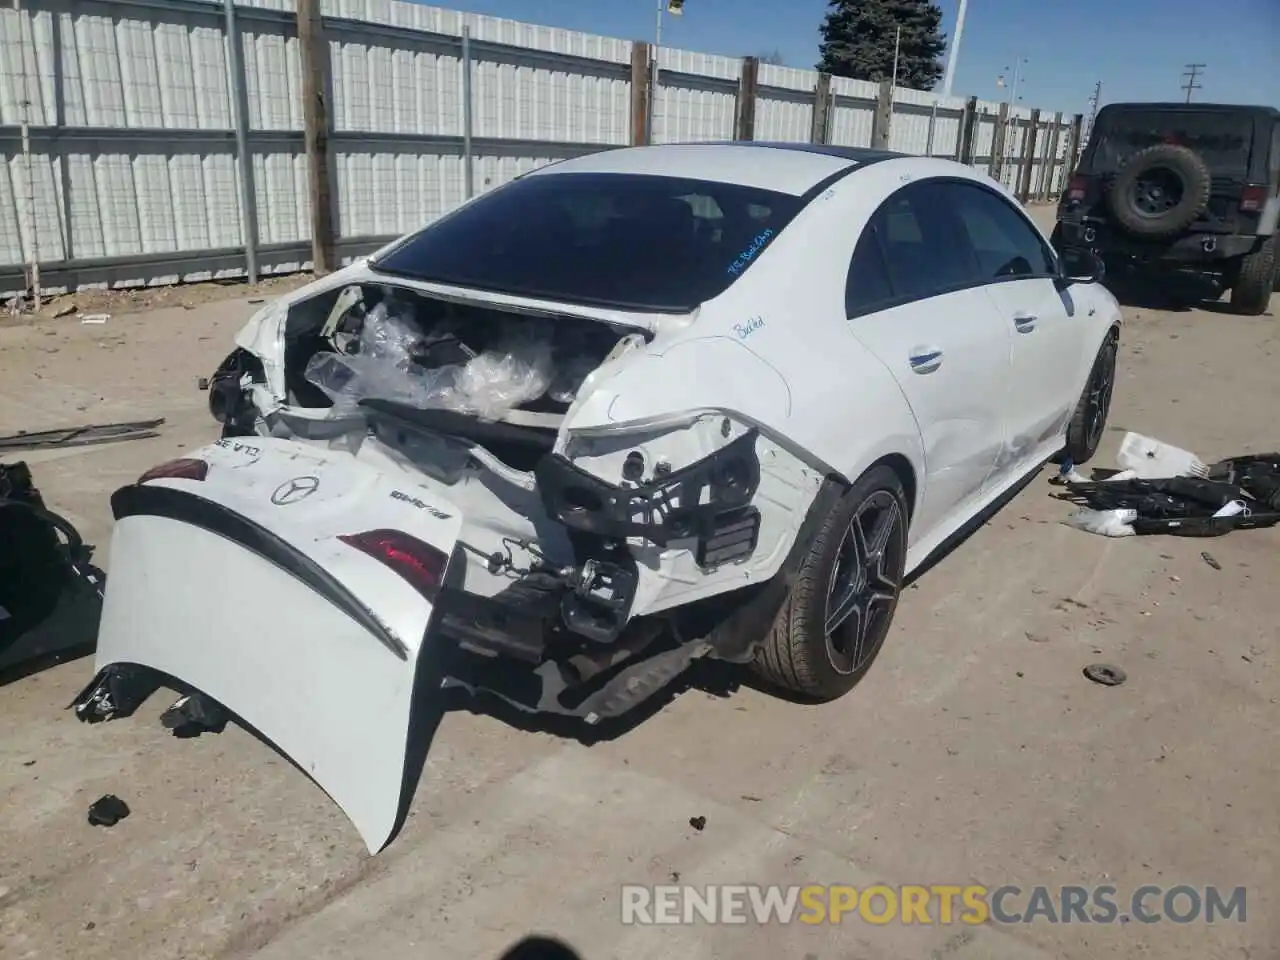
{"points": [[1223, 140], [626, 241]]}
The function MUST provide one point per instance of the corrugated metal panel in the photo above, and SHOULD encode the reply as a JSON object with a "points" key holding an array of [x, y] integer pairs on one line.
{"points": [[851, 122], [168, 189], [787, 78], [396, 89], [784, 103], [520, 101], [273, 78], [697, 96]]}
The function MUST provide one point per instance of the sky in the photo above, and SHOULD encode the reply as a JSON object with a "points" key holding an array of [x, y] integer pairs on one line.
{"points": [[1137, 48]]}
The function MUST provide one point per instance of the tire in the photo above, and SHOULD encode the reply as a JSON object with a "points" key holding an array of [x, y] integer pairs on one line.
{"points": [[1089, 421], [867, 522], [1257, 278], [1159, 191]]}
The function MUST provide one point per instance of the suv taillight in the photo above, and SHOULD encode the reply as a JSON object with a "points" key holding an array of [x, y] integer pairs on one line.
{"points": [[418, 564], [1253, 198], [184, 469], [1076, 188]]}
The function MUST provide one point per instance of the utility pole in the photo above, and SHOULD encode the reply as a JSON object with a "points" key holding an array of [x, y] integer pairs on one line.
{"points": [[897, 46], [1093, 111], [1192, 71], [954, 53], [893, 83], [676, 9]]}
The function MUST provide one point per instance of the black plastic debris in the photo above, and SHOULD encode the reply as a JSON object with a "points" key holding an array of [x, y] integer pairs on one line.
{"points": [[1105, 674], [107, 811], [1238, 493], [192, 715], [1208, 558], [81, 436], [698, 823], [50, 593]]}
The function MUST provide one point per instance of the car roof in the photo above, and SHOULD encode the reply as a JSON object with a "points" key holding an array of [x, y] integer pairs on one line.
{"points": [[1172, 106], [793, 168]]}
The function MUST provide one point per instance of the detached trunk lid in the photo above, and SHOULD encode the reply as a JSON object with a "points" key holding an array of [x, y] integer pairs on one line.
{"points": [[294, 586]]}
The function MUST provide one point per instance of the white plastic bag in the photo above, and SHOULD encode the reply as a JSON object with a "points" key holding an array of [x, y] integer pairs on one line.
{"points": [[515, 371], [1106, 523]]}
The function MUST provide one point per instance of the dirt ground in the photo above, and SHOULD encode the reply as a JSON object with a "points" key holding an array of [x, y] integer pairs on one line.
{"points": [[975, 751]]}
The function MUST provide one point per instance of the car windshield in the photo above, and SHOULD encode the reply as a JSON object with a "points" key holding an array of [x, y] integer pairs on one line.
{"points": [[1222, 139], [631, 242]]}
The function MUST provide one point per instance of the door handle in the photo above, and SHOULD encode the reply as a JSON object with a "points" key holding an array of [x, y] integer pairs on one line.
{"points": [[1025, 324], [925, 359]]}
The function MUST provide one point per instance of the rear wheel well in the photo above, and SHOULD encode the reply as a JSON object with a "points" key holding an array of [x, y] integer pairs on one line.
{"points": [[906, 476]]}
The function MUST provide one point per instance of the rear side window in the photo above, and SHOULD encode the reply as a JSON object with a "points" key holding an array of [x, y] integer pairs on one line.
{"points": [[911, 245], [867, 288], [627, 241], [1004, 243]]}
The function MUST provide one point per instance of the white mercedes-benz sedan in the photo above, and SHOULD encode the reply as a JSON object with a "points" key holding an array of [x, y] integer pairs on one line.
{"points": [[626, 411]]}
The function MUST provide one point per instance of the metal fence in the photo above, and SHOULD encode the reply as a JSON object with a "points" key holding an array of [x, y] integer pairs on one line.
{"points": [[136, 134]]}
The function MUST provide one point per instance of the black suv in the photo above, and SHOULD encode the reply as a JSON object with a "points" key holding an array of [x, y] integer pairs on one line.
{"points": [[1165, 188]]}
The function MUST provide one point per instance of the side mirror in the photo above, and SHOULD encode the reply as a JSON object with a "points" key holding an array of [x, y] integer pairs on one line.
{"points": [[1079, 265]]}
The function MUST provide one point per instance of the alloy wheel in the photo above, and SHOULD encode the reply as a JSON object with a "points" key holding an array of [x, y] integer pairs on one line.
{"points": [[1098, 402], [864, 583]]}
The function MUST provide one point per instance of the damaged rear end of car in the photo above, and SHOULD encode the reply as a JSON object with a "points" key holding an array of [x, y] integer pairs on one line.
{"points": [[423, 482]]}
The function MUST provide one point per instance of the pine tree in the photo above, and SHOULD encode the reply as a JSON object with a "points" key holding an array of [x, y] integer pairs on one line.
{"points": [[858, 40]]}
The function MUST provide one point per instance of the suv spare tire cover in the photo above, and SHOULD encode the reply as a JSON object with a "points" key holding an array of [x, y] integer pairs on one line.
{"points": [[1160, 190]]}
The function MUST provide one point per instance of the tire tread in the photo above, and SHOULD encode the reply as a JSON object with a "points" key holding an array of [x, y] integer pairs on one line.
{"points": [[1251, 292], [789, 657]]}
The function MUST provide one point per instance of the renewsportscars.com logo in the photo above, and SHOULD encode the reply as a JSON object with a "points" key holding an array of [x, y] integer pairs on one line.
{"points": [[940, 904]]}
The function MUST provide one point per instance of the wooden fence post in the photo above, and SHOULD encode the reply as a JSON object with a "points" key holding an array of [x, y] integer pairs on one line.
{"points": [[997, 142], [1073, 154], [1050, 170], [883, 116], [640, 92], [820, 129], [968, 132], [1028, 157], [314, 58], [745, 125]]}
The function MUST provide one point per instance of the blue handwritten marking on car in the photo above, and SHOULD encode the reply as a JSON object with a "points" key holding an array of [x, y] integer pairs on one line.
{"points": [[744, 330], [746, 256]]}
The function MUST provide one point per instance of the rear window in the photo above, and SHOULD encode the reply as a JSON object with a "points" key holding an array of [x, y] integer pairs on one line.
{"points": [[626, 241], [1222, 139]]}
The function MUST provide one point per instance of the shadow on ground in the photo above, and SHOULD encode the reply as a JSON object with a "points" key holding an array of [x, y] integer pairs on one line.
{"points": [[541, 948]]}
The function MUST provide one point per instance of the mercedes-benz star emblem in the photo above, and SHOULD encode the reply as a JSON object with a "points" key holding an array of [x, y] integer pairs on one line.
{"points": [[291, 491]]}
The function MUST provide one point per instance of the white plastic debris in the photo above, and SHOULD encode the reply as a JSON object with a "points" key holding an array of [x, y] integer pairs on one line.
{"points": [[1233, 509], [517, 369], [95, 318], [1106, 523], [1151, 459]]}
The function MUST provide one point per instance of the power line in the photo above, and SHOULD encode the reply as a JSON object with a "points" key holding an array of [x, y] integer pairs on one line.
{"points": [[1192, 71]]}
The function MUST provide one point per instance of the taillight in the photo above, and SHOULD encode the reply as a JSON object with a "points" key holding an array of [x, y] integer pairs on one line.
{"points": [[185, 469], [1253, 198], [419, 564], [1076, 188]]}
